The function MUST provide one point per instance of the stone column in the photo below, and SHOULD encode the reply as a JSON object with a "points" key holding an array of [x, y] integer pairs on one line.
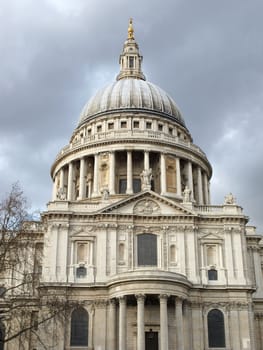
{"points": [[178, 177], [90, 335], [55, 188], [206, 194], [129, 189], [82, 179], [146, 160], [112, 173], [61, 178], [163, 323], [190, 179], [112, 325], [96, 176], [122, 323], [200, 186], [179, 323], [140, 322], [163, 174], [70, 182]]}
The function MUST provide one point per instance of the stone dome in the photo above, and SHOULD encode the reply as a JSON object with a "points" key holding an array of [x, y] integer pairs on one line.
{"points": [[131, 94]]}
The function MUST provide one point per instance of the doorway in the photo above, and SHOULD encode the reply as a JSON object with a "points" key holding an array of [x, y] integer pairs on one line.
{"points": [[151, 340]]}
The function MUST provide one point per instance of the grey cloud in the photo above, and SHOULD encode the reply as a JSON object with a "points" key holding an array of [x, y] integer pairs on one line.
{"points": [[207, 55]]}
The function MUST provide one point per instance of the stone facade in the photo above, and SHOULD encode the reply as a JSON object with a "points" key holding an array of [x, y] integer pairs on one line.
{"points": [[131, 235]]}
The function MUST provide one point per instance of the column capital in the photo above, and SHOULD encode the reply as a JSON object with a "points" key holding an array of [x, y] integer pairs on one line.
{"points": [[112, 302], [179, 300], [122, 299], [140, 297], [163, 297]]}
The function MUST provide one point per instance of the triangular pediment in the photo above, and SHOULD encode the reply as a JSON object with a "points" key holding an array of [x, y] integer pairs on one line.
{"points": [[211, 237], [147, 203]]}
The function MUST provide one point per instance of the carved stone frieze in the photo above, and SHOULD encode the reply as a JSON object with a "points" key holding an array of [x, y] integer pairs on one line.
{"points": [[146, 207]]}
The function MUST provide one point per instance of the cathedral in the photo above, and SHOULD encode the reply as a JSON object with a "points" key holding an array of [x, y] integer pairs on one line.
{"points": [[130, 232]]}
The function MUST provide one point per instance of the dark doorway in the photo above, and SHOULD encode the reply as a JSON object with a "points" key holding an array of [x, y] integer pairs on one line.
{"points": [[151, 340]]}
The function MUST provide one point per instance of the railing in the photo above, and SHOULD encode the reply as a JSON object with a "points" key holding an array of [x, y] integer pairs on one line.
{"points": [[132, 135]]}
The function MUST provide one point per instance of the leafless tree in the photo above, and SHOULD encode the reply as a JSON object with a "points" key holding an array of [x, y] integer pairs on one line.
{"points": [[25, 308]]}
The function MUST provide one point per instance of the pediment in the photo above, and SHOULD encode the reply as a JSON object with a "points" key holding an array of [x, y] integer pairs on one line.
{"points": [[147, 203], [82, 232], [212, 237]]}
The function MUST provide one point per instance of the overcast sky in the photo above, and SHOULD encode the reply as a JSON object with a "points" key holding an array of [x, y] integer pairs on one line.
{"points": [[208, 55]]}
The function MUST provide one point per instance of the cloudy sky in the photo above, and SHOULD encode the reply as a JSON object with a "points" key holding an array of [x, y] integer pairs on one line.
{"points": [[208, 55]]}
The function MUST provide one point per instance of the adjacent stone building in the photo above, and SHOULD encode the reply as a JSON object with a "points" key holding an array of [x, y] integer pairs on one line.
{"points": [[131, 235]]}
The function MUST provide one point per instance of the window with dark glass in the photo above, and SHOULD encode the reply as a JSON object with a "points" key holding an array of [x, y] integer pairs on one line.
{"points": [[79, 327], [131, 62], [160, 127], [147, 249], [148, 125], [212, 275], [111, 126], [123, 124], [89, 132], [136, 124], [99, 128], [136, 185], [216, 329], [2, 336], [170, 131], [122, 185], [81, 271]]}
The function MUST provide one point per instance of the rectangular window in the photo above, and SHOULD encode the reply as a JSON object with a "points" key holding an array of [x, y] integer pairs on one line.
{"points": [[170, 131], [160, 127], [89, 132], [136, 185], [148, 125], [123, 124], [136, 124], [122, 186], [99, 128], [147, 249], [111, 126], [131, 62]]}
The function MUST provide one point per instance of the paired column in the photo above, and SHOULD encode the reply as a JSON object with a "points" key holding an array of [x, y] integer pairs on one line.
{"points": [[129, 189], [178, 177], [163, 174], [61, 178], [163, 322], [146, 160], [112, 173], [95, 176], [82, 179], [70, 182], [200, 186], [190, 179], [55, 188], [122, 323], [112, 325], [140, 322], [179, 323], [206, 193]]}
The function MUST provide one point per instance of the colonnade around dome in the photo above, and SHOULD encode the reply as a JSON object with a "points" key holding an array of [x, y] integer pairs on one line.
{"points": [[128, 172]]}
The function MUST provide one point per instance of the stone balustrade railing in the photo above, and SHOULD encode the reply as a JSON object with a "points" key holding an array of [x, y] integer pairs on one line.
{"points": [[126, 135]]}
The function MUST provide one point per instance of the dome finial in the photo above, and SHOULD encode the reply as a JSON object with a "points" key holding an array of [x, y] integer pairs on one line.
{"points": [[130, 30], [130, 58]]}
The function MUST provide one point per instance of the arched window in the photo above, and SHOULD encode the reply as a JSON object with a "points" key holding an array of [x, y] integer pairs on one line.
{"points": [[2, 336], [79, 327], [216, 329], [147, 249]]}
